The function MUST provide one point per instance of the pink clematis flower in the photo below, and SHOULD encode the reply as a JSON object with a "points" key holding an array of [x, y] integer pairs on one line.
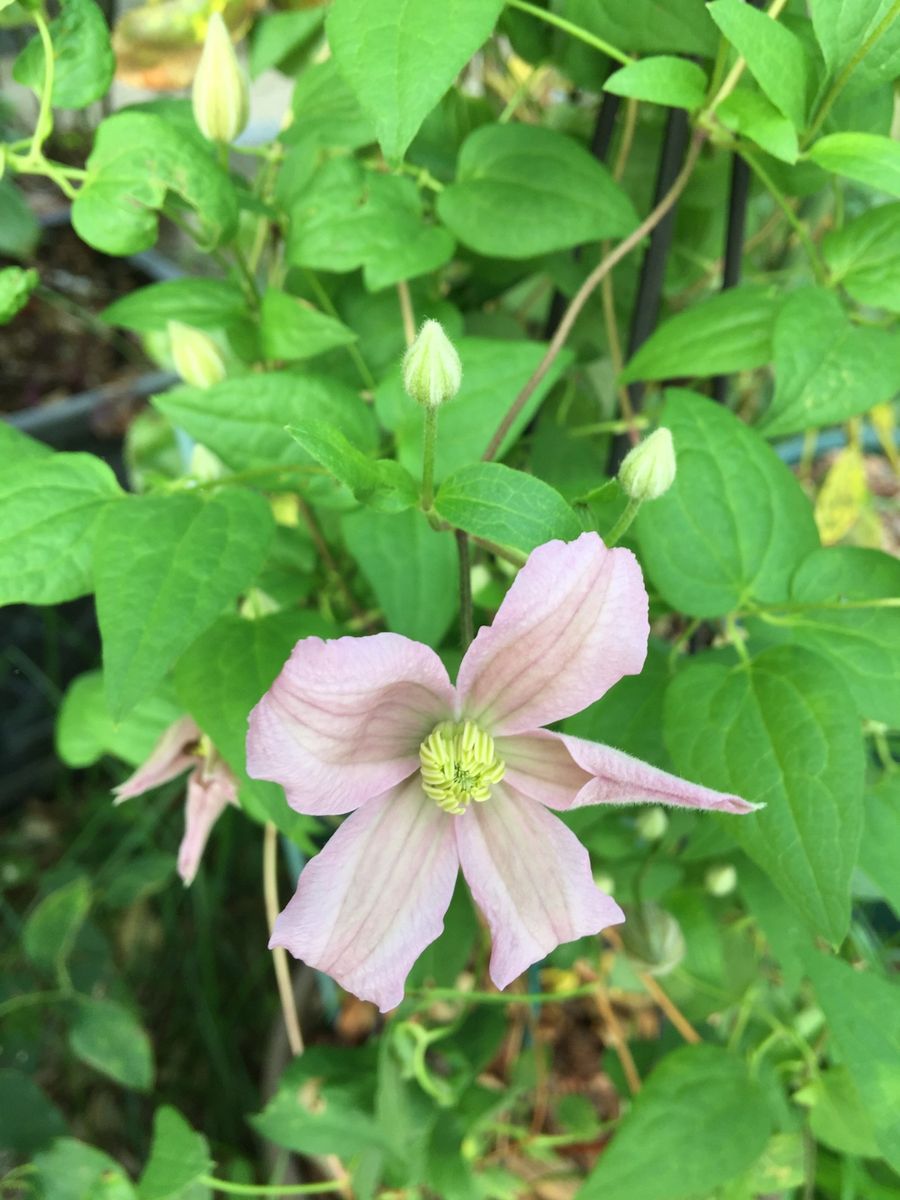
{"points": [[441, 777], [211, 787]]}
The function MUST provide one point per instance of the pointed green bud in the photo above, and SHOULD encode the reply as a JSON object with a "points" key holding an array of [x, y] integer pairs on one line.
{"points": [[652, 823], [649, 469], [196, 356], [220, 95], [432, 371], [721, 880]]}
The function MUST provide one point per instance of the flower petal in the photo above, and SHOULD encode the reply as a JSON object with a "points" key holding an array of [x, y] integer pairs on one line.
{"points": [[572, 624], [369, 904], [539, 765], [531, 878], [167, 759], [343, 721], [621, 779], [207, 798]]}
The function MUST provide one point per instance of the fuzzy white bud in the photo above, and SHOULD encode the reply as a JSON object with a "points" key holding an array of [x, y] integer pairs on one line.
{"points": [[721, 880], [652, 823], [648, 470], [195, 355], [432, 372], [220, 94]]}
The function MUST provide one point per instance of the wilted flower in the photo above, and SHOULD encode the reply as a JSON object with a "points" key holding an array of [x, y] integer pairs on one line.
{"points": [[211, 787], [196, 356], [432, 372], [443, 777], [220, 94], [648, 470]]}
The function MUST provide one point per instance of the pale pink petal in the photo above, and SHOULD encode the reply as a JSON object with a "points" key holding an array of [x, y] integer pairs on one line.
{"points": [[343, 721], [369, 904], [620, 779], [540, 765], [531, 878], [572, 624], [208, 795], [168, 758]]}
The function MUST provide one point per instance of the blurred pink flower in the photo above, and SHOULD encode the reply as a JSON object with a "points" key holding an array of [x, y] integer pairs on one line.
{"points": [[442, 777], [210, 787]]}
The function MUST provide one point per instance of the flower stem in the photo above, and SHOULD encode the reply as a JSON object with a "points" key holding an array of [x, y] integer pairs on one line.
{"points": [[575, 31], [271, 1189], [621, 526], [429, 448], [584, 293], [406, 312], [279, 954], [466, 622], [45, 117]]}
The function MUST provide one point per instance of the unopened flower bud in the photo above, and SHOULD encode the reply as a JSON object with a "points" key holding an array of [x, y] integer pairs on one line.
{"points": [[432, 371], [220, 94], [649, 469], [205, 466], [653, 939], [196, 356], [721, 880], [652, 824]]}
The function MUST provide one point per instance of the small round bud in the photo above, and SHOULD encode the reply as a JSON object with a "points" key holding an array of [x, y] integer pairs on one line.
{"points": [[649, 469], [605, 882], [432, 371], [220, 95], [196, 356], [652, 824], [721, 880], [205, 466]]}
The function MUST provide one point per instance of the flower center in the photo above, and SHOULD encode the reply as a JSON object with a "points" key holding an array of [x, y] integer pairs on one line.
{"points": [[459, 764]]}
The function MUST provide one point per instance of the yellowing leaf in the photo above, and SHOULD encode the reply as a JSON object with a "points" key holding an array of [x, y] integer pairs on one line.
{"points": [[843, 497]]}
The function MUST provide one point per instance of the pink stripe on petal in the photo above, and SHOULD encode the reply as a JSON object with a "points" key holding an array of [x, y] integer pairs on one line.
{"points": [[531, 878], [572, 624], [207, 799], [343, 721], [540, 765], [369, 904], [621, 779], [167, 759]]}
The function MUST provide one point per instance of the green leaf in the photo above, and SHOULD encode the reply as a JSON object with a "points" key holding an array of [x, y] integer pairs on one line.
{"points": [[779, 731], [862, 643], [734, 525], [522, 190], [844, 31], [505, 506], [826, 368], [50, 507], [138, 159], [108, 1037], [863, 1012], [85, 731], [244, 420], [751, 115], [49, 933], [326, 112], [165, 568], [222, 676], [381, 484], [83, 60], [19, 227], [731, 331], [880, 849], [200, 303], [28, 1119], [178, 1158], [864, 257], [279, 35], [869, 158], [349, 217], [401, 56], [775, 56], [292, 330], [698, 1096], [664, 79], [72, 1170], [493, 374], [16, 286], [412, 570], [648, 26], [837, 1115]]}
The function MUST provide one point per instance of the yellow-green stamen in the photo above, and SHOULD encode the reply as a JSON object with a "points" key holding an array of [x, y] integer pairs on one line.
{"points": [[459, 765]]}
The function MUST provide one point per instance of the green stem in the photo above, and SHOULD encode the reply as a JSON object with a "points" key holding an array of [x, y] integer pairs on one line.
{"points": [[32, 998], [796, 224], [271, 1189], [841, 82], [359, 362], [590, 39], [429, 448], [426, 997], [621, 526], [466, 621], [45, 116]]}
